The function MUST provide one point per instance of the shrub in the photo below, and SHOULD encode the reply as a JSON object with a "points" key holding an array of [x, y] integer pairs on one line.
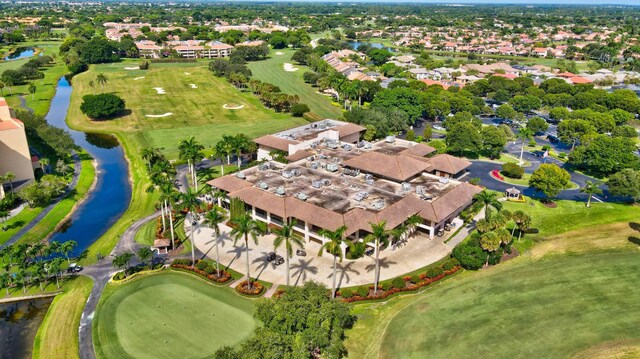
{"points": [[346, 293], [256, 288], [448, 265], [102, 106], [299, 109], [512, 170], [434, 272], [398, 283], [210, 270], [562, 155], [144, 65], [357, 250], [385, 286], [312, 117], [415, 279], [454, 261], [411, 135], [494, 257], [201, 265], [470, 254], [363, 291]]}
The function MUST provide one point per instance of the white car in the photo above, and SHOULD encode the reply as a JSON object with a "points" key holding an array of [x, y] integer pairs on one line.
{"points": [[438, 127]]}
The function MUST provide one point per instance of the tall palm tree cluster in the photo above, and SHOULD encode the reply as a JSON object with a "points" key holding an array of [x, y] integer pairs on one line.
{"points": [[270, 95], [232, 145], [493, 227], [25, 265], [122, 261], [161, 173], [191, 151]]}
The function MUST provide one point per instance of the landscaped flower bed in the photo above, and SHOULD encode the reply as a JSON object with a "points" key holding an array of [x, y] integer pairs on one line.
{"points": [[256, 288], [203, 269], [496, 174], [404, 284]]}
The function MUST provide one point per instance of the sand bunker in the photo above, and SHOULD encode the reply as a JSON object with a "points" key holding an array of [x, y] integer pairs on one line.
{"points": [[193, 86], [232, 107], [289, 67], [132, 68], [187, 73], [138, 78], [163, 115], [279, 53], [160, 90]]}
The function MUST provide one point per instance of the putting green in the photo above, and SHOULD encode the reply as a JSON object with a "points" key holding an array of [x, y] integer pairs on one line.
{"points": [[169, 315], [552, 308]]}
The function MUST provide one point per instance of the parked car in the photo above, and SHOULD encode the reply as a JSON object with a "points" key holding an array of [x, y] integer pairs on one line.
{"points": [[271, 256], [278, 260], [538, 153], [301, 252], [438, 127], [553, 139], [369, 251], [74, 268]]}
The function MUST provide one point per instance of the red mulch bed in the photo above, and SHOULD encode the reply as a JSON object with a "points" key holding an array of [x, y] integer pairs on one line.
{"points": [[256, 288], [549, 204]]}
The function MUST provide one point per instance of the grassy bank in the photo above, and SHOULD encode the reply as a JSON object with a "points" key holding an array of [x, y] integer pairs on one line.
{"points": [[57, 337]]}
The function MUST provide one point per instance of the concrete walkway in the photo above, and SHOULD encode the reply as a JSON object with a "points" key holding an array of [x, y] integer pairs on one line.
{"points": [[414, 253]]}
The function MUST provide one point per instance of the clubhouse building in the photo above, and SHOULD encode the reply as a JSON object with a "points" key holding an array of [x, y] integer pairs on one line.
{"points": [[332, 178]]}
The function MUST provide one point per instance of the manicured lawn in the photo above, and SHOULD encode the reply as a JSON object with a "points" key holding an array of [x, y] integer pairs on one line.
{"points": [[551, 308], [57, 336], [272, 71], [169, 315]]}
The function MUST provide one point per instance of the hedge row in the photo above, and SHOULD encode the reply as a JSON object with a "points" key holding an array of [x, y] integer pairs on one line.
{"points": [[203, 269], [404, 284]]}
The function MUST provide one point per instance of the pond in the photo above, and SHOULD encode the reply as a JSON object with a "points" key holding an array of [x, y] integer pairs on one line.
{"points": [[112, 193], [375, 45], [19, 323], [21, 53]]}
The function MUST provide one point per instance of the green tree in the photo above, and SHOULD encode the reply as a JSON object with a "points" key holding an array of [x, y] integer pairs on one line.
{"points": [[333, 245], [214, 218], [571, 131], [191, 150], [244, 227], [537, 125], [287, 236], [493, 141], [145, 254], [379, 237], [102, 106], [32, 90], [525, 134], [506, 111], [625, 183], [101, 80], [122, 262], [67, 247], [464, 137], [189, 202], [488, 199], [550, 180], [590, 188], [605, 155]]}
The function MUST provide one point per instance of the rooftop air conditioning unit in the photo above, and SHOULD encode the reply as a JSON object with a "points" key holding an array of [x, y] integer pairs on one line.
{"points": [[263, 185], [444, 180], [314, 165], [287, 174], [301, 196], [390, 139], [241, 175], [316, 183], [378, 204], [326, 182], [420, 190], [332, 167], [406, 186], [280, 191]]}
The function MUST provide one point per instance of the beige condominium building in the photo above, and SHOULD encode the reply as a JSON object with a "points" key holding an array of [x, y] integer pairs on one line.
{"points": [[334, 179], [14, 149]]}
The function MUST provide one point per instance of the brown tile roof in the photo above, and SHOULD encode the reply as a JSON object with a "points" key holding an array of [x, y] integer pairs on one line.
{"points": [[349, 129], [313, 214], [448, 164], [398, 212], [398, 168], [359, 219], [453, 200], [229, 183], [161, 242], [298, 155], [261, 199], [419, 150], [275, 142]]}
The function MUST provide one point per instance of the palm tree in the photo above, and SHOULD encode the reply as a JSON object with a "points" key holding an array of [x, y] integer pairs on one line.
{"points": [[102, 80], [190, 150], [3, 216], [167, 196], [523, 221], [333, 246], [220, 152], [214, 219], [144, 254], [21, 278], [487, 199], [37, 272], [288, 236], [44, 162], [93, 86], [32, 89], [227, 146], [524, 134], [67, 247], [189, 202], [412, 223], [54, 267], [245, 227], [242, 144], [379, 236], [490, 242], [122, 261], [5, 281], [590, 189], [9, 177]]}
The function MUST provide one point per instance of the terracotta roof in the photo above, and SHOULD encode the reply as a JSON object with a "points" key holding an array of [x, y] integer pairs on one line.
{"points": [[398, 168], [349, 129], [453, 200], [313, 214], [161, 242], [298, 155], [579, 80], [419, 150], [398, 212], [448, 164], [229, 183], [278, 143], [261, 199], [359, 219]]}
